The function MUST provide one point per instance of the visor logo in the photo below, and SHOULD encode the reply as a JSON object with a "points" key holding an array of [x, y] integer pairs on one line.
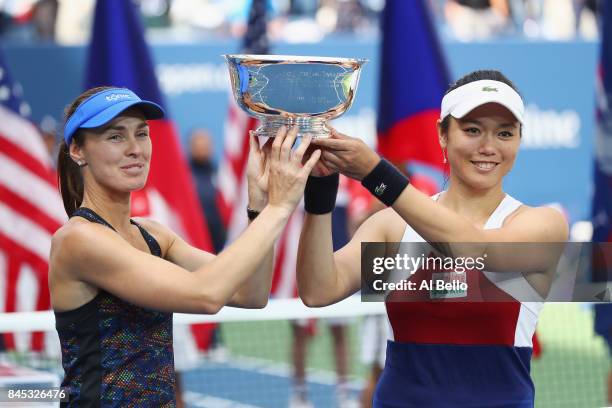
{"points": [[116, 97], [489, 89]]}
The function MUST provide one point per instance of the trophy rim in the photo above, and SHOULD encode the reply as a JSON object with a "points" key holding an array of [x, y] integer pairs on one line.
{"points": [[295, 58]]}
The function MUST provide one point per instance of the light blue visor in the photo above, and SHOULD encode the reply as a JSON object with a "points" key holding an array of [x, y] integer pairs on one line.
{"points": [[104, 106]]}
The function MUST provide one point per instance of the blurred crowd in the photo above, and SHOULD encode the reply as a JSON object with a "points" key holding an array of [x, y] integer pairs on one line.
{"points": [[68, 21]]}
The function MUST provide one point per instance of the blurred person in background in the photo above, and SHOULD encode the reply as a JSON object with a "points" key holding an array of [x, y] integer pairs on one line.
{"points": [[555, 19], [68, 21], [204, 170], [155, 13], [301, 22], [374, 335], [586, 12], [49, 132], [45, 16], [351, 16], [203, 16], [28, 20], [477, 19], [303, 7], [304, 329], [74, 20], [216, 17]]}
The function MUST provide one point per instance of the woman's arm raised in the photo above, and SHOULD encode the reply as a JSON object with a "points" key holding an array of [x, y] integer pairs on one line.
{"points": [[97, 255]]}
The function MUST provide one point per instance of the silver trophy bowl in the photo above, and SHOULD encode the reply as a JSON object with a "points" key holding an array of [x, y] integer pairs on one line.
{"points": [[293, 90]]}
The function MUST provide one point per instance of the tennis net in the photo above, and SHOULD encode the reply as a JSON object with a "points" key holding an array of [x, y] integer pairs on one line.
{"points": [[251, 364]]}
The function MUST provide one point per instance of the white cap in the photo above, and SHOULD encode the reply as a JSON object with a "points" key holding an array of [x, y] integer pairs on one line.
{"points": [[461, 101]]}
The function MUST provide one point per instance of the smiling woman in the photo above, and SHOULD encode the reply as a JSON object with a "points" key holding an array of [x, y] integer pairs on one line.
{"points": [[128, 133], [440, 353], [98, 108], [476, 109], [115, 281]]}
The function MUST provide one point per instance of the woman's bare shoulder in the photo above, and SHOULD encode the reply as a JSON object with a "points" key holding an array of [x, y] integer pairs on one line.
{"points": [[550, 221], [73, 232], [75, 238]]}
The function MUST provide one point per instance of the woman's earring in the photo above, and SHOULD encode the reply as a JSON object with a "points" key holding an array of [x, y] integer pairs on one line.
{"points": [[444, 156]]}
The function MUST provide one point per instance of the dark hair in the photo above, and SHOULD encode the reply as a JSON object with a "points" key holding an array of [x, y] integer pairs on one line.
{"points": [[69, 175], [474, 76]]}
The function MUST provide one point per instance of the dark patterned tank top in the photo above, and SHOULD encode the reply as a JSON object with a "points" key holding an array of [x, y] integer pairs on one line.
{"points": [[116, 354]]}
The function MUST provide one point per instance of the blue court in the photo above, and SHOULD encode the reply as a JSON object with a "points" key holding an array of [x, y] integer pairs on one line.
{"points": [[253, 383]]}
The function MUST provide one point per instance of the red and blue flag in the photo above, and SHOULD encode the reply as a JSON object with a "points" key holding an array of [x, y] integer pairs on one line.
{"points": [[119, 56], [413, 79]]}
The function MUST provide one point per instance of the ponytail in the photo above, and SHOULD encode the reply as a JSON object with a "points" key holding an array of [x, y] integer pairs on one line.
{"points": [[69, 178], [69, 175]]}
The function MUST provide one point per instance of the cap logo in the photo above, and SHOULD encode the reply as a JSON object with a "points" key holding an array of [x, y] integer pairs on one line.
{"points": [[489, 89], [116, 97]]}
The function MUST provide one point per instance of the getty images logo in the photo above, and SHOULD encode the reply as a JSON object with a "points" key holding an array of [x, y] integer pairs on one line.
{"points": [[117, 96]]}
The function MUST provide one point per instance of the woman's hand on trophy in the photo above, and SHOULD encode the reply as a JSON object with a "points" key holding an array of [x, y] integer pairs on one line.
{"points": [[258, 171], [320, 169], [348, 155], [287, 174]]}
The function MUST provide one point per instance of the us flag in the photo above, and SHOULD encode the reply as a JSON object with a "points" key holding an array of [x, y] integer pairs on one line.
{"points": [[31, 211]]}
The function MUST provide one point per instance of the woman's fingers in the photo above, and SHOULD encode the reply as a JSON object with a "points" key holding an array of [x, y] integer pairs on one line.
{"points": [[253, 142], [266, 172], [333, 158], [310, 163], [333, 144], [299, 153], [278, 142], [337, 135], [288, 143], [267, 147], [329, 165]]}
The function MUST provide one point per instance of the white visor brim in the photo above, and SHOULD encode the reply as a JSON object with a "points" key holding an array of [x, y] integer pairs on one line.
{"points": [[461, 101]]}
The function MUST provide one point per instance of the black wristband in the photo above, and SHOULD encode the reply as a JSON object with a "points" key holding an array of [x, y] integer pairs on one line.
{"points": [[251, 213], [320, 194], [385, 182]]}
